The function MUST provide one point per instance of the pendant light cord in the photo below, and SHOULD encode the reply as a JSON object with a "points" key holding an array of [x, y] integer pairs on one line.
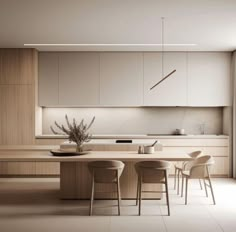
{"points": [[162, 47], [162, 56]]}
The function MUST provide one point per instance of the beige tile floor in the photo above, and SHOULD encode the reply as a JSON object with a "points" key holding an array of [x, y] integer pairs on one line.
{"points": [[33, 205]]}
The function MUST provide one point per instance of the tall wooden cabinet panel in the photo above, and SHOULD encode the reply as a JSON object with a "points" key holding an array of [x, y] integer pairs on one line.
{"points": [[79, 79], [172, 91], [121, 79], [17, 115], [48, 78], [16, 66], [17, 100], [209, 79]]}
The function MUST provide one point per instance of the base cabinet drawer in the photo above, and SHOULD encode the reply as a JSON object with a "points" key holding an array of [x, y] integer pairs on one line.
{"points": [[47, 168], [17, 168], [29, 168], [221, 167]]}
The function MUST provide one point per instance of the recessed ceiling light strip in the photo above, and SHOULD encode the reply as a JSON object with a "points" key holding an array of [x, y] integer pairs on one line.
{"points": [[103, 45]]}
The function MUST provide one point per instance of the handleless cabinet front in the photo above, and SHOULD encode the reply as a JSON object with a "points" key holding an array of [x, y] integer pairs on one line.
{"points": [[121, 79], [78, 79], [173, 90], [48, 79]]}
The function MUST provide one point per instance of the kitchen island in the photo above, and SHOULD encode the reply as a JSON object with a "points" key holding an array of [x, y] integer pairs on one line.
{"points": [[74, 176]]}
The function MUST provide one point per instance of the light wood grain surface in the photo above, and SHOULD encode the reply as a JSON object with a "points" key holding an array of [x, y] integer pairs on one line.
{"points": [[44, 156]]}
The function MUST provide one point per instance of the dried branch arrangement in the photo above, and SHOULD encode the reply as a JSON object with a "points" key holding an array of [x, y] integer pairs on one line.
{"points": [[77, 133]]}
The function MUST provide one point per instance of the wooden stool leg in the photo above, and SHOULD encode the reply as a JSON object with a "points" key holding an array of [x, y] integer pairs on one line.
{"points": [[175, 178], [137, 196], [118, 192], [178, 182], [92, 197], [186, 191], [140, 195], [167, 193], [182, 190], [200, 183], [205, 187], [212, 193]]}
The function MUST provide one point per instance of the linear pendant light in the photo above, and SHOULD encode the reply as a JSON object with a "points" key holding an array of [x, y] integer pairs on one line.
{"points": [[162, 58]]}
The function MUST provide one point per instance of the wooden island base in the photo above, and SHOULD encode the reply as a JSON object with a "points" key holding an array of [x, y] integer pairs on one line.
{"points": [[75, 179], [76, 183]]}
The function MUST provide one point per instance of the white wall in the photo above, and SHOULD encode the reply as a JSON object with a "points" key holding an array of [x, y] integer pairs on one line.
{"points": [[161, 120]]}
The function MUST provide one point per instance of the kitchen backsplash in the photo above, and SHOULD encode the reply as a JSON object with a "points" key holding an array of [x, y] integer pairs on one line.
{"points": [[143, 120]]}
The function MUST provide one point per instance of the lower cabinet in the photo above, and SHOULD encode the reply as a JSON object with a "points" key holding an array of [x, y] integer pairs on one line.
{"points": [[47, 168], [29, 168], [17, 168], [218, 148], [220, 156]]}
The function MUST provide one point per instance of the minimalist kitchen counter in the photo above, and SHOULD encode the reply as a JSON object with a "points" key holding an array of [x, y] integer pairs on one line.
{"points": [[217, 146], [28, 147], [75, 179], [141, 136], [45, 156]]}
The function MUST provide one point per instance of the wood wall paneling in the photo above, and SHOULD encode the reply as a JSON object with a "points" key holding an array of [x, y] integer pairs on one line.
{"points": [[17, 79], [17, 66]]}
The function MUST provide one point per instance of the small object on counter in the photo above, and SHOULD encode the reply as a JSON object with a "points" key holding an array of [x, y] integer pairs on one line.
{"points": [[140, 150], [149, 149], [153, 144], [67, 153], [179, 131], [202, 127], [159, 146]]}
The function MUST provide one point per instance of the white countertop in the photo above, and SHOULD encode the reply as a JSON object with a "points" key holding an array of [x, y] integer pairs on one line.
{"points": [[112, 136]]}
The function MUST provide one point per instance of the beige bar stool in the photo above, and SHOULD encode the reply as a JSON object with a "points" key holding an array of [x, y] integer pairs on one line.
{"points": [[199, 170], [105, 172], [185, 166], [152, 172]]}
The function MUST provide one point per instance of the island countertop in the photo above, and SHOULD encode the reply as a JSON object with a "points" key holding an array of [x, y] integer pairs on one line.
{"points": [[46, 156], [138, 136]]}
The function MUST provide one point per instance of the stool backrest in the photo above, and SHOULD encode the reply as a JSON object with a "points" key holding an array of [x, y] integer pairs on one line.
{"points": [[106, 171], [200, 168], [152, 171], [187, 165]]}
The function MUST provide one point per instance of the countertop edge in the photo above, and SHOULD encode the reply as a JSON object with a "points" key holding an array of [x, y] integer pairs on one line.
{"points": [[94, 137]]}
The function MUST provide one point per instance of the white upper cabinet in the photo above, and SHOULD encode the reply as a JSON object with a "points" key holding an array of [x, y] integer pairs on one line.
{"points": [[209, 79], [48, 79], [125, 79], [78, 79], [121, 79], [173, 90]]}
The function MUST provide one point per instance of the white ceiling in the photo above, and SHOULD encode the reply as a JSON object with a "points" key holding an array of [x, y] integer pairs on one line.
{"points": [[211, 24]]}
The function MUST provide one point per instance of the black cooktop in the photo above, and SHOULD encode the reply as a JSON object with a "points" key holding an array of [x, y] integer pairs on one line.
{"points": [[165, 135]]}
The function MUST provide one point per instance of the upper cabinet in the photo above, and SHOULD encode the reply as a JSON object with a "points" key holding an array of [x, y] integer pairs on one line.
{"points": [[48, 79], [68, 79], [125, 79], [78, 79], [209, 79], [121, 79], [173, 90]]}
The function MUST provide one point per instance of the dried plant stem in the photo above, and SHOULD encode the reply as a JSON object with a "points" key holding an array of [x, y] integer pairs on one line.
{"points": [[77, 133]]}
